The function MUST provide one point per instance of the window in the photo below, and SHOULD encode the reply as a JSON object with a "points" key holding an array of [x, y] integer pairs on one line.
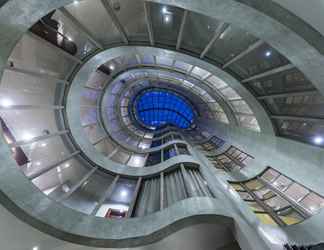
{"points": [[153, 158], [182, 149], [277, 199], [169, 152], [231, 159], [156, 143], [213, 143]]}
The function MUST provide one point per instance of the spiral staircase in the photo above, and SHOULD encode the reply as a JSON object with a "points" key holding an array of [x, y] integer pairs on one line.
{"points": [[161, 124]]}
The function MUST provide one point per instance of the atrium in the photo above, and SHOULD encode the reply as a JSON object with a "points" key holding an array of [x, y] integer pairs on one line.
{"points": [[161, 124]]}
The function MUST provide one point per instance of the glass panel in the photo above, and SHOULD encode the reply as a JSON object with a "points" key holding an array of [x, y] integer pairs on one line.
{"points": [[306, 105], [166, 21], [89, 97], [23, 89], [296, 192], [95, 18], [66, 28], [120, 157], [135, 27], [277, 202], [216, 82], [93, 132], [290, 216], [169, 152], [183, 150], [32, 123], [265, 219], [241, 107], [105, 147], [254, 184], [43, 154], [270, 175], [255, 206], [230, 93], [245, 196], [312, 202], [230, 43], [157, 108], [202, 27], [283, 82], [117, 205], [33, 54], [60, 180], [137, 160], [153, 158], [259, 60], [282, 183], [86, 197], [88, 115], [304, 131]]}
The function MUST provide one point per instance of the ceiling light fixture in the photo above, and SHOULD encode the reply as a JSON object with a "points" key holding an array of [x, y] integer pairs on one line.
{"points": [[167, 18], [123, 193], [27, 136], [164, 10], [268, 53], [318, 140], [112, 67], [6, 103]]}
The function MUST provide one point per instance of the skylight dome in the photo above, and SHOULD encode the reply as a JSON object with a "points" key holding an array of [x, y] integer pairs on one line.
{"points": [[158, 108]]}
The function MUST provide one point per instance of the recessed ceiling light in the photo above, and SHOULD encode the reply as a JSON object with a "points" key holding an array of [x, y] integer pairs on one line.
{"points": [[123, 193], [112, 67], [67, 165], [318, 140], [6, 103], [27, 136], [167, 18], [75, 2], [35, 248], [38, 163], [43, 144], [268, 53], [164, 10]]}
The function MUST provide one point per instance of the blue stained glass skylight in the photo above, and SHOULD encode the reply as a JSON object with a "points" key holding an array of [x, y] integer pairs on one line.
{"points": [[158, 108]]}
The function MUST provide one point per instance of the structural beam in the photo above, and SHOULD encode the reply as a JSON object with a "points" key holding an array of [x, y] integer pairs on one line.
{"points": [[243, 53], [162, 202], [106, 195], [217, 34], [52, 46], [37, 74], [77, 185], [37, 139], [100, 140], [183, 24], [29, 107], [299, 93], [269, 72], [149, 22], [80, 27], [50, 167], [135, 195], [115, 20], [297, 118]]}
